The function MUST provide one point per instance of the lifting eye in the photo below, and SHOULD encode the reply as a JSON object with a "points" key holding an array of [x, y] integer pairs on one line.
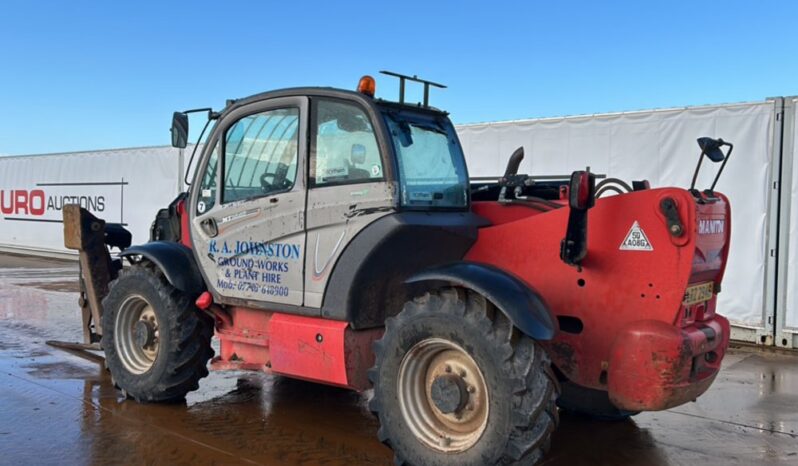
{"points": [[570, 324]]}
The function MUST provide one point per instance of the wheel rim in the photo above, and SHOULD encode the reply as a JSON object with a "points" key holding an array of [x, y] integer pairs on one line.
{"points": [[445, 424], [137, 334]]}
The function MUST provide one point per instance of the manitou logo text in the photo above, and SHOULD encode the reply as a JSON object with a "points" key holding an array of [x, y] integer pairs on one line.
{"points": [[711, 227]]}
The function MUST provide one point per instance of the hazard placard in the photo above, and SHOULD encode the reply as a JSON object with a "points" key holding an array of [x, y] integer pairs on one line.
{"points": [[636, 240]]}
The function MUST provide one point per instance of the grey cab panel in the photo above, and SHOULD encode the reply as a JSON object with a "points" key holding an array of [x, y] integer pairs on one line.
{"points": [[348, 187], [291, 181]]}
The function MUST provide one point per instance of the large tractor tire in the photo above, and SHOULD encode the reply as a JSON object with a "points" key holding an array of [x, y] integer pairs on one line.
{"points": [[591, 403], [456, 384], [157, 343]]}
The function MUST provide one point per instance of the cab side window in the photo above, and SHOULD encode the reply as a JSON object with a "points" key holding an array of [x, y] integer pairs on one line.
{"points": [[260, 155], [207, 197], [343, 147]]}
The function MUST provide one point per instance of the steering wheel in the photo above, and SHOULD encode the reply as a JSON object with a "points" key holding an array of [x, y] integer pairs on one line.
{"points": [[279, 179], [265, 185]]}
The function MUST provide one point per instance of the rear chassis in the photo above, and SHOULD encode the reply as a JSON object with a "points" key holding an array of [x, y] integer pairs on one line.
{"points": [[624, 328]]}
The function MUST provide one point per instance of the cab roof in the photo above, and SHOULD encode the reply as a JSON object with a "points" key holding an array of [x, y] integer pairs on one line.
{"points": [[330, 92]]}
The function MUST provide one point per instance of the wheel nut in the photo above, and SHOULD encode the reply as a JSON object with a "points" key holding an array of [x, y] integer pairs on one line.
{"points": [[462, 373], [445, 441], [448, 368], [471, 389]]}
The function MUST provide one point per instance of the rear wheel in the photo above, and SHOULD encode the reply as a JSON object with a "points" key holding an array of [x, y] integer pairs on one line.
{"points": [[456, 384], [157, 344]]}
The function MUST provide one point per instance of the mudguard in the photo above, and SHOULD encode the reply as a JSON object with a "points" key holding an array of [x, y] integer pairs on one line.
{"points": [[175, 261], [521, 304]]}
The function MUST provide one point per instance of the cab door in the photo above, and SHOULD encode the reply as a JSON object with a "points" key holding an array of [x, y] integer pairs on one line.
{"points": [[248, 222]]}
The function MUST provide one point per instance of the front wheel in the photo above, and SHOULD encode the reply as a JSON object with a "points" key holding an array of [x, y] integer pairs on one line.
{"points": [[157, 343], [456, 384]]}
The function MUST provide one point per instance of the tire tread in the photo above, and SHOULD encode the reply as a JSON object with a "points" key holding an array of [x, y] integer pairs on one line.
{"points": [[534, 417], [189, 346]]}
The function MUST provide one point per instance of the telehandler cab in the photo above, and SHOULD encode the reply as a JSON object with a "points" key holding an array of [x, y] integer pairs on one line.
{"points": [[335, 237]]}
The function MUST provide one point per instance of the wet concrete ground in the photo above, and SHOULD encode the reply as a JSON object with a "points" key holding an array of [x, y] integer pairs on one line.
{"points": [[58, 407]]}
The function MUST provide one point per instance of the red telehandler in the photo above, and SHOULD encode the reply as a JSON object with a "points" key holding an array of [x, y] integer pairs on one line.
{"points": [[334, 237]]}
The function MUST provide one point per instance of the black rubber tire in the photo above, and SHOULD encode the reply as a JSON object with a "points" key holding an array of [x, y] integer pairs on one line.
{"points": [[592, 403], [517, 371], [185, 337]]}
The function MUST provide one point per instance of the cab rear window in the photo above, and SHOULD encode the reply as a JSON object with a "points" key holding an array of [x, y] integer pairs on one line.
{"points": [[432, 169]]}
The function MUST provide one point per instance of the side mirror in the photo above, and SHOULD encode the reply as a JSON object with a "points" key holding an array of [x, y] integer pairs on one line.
{"points": [[582, 190], [179, 130], [358, 154], [711, 147]]}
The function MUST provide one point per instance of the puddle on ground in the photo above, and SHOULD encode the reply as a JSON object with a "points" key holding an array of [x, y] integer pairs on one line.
{"points": [[59, 407]]}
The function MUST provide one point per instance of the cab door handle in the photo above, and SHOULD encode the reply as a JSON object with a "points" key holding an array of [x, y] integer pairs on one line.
{"points": [[210, 227]]}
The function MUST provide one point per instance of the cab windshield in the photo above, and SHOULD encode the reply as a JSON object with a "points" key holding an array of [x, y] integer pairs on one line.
{"points": [[432, 170]]}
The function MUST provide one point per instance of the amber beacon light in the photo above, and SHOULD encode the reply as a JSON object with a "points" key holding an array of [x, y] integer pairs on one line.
{"points": [[367, 86]]}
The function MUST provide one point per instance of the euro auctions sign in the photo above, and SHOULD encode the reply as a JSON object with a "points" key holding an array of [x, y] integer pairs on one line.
{"points": [[45, 202], [120, 186]]}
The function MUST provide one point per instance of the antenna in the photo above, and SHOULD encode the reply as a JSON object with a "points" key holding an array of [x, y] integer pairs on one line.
{"points": [[403, 78]]}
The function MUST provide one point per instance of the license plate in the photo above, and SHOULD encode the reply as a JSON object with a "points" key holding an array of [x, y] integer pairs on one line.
{"points": [[698, 293]]}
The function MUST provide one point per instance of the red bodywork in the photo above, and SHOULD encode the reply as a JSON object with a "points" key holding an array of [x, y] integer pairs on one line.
{"points": [[637, 341], [185, 238], [309, 348]]}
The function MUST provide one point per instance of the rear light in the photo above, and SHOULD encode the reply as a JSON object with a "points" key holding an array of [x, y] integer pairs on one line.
{"points": [[687, 316], [705, 311], [581, 190]]}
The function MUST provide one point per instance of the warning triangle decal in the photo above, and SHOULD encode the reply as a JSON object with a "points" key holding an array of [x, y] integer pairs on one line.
{"points": [[636, 240]]}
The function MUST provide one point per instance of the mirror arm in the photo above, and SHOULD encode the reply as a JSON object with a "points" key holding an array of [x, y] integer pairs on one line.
{"points": [[697, 168], [573, 248], [197, 110], [194, 152], [722, 166]]}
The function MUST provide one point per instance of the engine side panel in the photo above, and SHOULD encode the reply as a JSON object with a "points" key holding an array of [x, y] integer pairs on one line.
{"points": [[617, 284]]}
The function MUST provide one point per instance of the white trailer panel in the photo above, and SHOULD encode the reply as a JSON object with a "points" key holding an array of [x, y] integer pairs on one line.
{"points": [[787, 311], [660, 146], [121, 186], [792, 287]]}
